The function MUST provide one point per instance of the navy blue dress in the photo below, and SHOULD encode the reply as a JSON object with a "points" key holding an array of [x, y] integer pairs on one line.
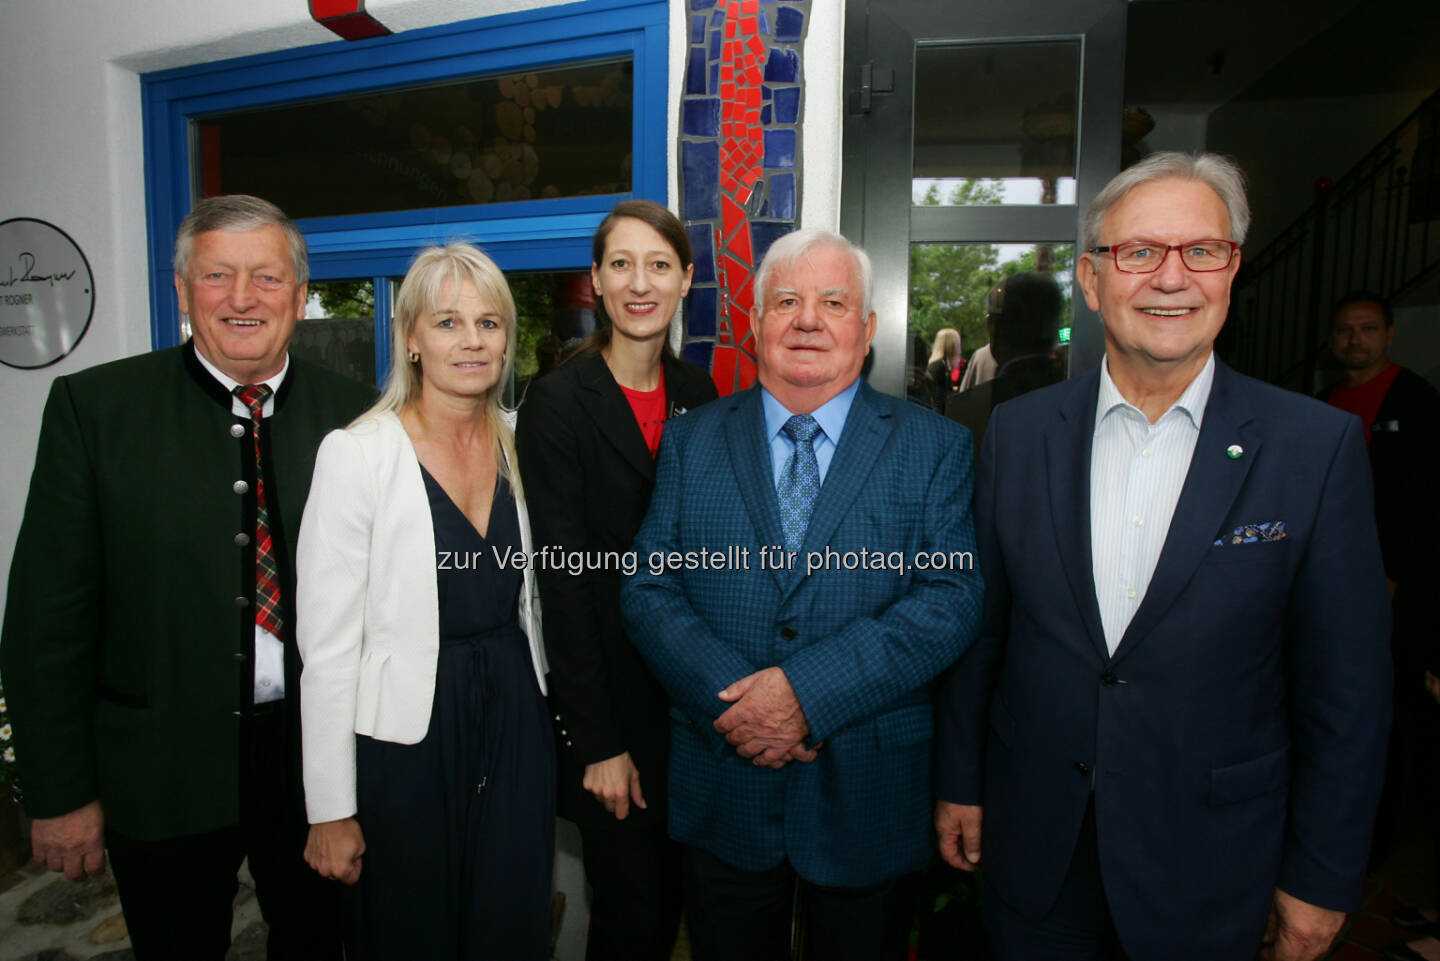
{"points": [[460, 828]]}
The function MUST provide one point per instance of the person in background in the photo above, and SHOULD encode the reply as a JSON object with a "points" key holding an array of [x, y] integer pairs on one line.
{"points": [[429, 766], [149, 643], [982, 364], [1400, 413], [588, 435], [1022, 336], [942, 369]]}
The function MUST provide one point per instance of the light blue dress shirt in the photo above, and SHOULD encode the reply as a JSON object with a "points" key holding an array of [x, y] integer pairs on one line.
{"points": [[1137, 470], [830, 416]]}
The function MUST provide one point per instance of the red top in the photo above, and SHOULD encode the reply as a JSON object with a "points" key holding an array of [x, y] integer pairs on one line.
{"points": [[649, 409], [1364, 401]]}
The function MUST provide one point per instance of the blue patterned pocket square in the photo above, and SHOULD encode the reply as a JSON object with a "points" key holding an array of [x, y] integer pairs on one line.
{"points": [[1254, 534]]}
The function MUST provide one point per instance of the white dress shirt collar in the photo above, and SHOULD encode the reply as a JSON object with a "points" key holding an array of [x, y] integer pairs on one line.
{"points": [[1191, 402], [230, 383]]}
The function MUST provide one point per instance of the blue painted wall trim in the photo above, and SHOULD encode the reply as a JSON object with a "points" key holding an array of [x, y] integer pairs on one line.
{"points": [[526, 235]]}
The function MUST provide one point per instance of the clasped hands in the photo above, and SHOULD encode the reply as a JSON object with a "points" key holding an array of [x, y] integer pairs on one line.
{"points": [[765, 721]]}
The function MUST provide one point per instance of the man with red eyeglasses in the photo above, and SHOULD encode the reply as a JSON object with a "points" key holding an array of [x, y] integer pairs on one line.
{"points": [[1167, 740]]}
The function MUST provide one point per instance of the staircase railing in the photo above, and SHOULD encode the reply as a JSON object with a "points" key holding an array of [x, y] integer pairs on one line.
{"points": [[1377, 229]]}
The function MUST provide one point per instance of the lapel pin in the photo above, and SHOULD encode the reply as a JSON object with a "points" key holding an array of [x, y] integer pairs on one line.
{"points": [[1234, 451]]}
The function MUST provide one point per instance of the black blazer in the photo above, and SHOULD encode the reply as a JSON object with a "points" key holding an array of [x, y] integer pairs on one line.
{"points": [[588, 477], [1405, 462]]}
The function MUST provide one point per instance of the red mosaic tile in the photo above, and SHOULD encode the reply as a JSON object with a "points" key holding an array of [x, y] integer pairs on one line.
{"points": [[732, 215], [727, 93], [747, 372], [743, 294], [750, 8], [757, 46], [722, 368], [735, 272], [739, 322], [740, 244]]}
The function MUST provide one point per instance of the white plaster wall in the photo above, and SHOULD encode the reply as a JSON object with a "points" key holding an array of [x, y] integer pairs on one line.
{"points": [[823, 105]]}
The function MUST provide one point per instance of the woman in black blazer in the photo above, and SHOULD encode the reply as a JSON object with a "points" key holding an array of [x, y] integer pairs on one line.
{"points": [[587, 437]]}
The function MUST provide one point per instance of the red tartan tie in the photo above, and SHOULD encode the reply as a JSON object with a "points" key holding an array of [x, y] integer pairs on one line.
{"points": [[267, 575]]}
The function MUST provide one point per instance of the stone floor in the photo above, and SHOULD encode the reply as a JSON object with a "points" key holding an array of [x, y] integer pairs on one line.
{"points": [[44, 917]]}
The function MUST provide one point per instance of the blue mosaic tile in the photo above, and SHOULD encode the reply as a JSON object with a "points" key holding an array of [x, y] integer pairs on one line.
{"points": [[765, 115], [789, 24], [700, 168], [698, 352], [782, 67], [766, 92], [787, 105], [701, 4], [764, 23], [780, 148], [715, 37], [782, 196], [701, 309], [701, 117], [715, 76], [702, 250], [697, 29], [695, 73], [764, 233]]}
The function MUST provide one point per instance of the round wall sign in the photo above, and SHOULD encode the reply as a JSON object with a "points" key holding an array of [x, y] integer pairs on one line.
{"points": [[47, 295]]}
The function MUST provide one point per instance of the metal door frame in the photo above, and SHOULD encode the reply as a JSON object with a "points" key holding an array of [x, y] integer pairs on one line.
{"points": [[876, 209]]}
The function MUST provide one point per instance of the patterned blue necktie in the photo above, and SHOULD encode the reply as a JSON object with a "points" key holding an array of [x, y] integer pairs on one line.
{"points": [[799, 481]]}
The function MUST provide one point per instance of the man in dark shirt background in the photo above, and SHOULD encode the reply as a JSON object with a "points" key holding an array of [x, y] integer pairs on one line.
{"points": [[1022, 328], [1401, 413]]}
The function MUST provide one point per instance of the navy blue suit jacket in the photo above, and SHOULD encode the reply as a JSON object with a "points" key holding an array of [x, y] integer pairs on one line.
{"points": [[860, 647], [1235, 740]]}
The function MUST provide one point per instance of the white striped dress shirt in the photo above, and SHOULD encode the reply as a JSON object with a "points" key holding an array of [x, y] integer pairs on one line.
{"points": [[1137, 470]]}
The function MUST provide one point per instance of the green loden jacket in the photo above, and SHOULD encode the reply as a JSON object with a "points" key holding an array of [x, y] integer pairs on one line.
{"points": [[128, 643]]}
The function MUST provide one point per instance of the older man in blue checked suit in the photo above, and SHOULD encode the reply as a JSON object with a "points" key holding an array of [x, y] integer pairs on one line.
{"points": [[1173, 724], [799, 664]]}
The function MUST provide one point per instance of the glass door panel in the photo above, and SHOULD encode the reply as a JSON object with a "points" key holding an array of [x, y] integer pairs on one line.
{"points": [[1018, 141], [955, 286], [339, 328], [973, 139]]}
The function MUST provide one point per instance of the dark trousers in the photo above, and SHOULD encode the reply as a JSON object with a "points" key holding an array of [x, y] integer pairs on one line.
{"points": [[1078, 928], [737, 915], [178, 893], [634, 872]]}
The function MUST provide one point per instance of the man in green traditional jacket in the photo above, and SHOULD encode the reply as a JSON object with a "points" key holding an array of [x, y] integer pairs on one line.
{"points": [[148, 649]]}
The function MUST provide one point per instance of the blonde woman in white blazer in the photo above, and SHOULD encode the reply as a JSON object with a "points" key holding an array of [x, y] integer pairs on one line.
{"points": [[429, 771]]}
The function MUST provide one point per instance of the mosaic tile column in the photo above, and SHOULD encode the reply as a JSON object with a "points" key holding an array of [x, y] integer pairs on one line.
{"points": [[739, 167]]}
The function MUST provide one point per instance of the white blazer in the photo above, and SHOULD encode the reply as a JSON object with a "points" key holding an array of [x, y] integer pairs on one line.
{"points": [[367, 608]]}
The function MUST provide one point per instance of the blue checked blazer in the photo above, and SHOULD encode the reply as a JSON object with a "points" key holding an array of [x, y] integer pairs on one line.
{"points": [[860, 647]]}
